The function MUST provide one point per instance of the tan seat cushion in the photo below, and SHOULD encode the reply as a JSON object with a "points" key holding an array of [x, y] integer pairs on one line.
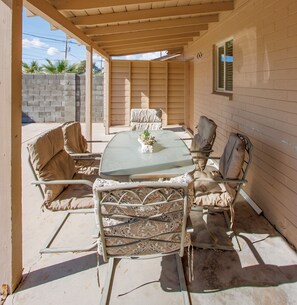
{"points": [[211, 193], [75, 196], [87, 167]]}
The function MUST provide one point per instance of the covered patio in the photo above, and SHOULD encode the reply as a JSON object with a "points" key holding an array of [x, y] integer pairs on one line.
{"points": [[255, 95], [264, 271]]}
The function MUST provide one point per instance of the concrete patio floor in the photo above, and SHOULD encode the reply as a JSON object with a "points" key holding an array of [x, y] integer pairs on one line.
{"points": [[263, 272]]}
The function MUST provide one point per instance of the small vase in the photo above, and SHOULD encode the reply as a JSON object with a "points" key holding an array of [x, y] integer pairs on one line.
{"points": [[145, 148]]}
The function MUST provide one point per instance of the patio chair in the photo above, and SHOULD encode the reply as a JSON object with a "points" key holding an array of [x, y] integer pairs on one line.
{"points": [[142, 220], [217, 190], [203, 140], [62, 188], [142, 119], [75, 145]]}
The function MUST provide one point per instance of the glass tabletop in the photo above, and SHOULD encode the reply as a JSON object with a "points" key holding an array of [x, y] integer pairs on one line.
{"points": [[123, 160]]}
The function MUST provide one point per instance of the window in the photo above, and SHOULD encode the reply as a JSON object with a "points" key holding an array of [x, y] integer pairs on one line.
{"points": [[224, 66]]}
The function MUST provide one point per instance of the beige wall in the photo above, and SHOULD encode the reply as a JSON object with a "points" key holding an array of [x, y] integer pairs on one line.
{"points": [[147, 84], [264, 104]]}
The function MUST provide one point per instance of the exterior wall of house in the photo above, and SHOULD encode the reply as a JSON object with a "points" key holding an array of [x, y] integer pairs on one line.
{"points": [[147, 84], [264, 104], [59, 98]]}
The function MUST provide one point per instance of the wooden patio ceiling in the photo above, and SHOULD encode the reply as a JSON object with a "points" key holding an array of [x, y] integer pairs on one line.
{"points": [[122, 27]]}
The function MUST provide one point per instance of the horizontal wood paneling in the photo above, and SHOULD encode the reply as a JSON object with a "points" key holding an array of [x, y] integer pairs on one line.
{"points": [[144, 84], [264, 104]]}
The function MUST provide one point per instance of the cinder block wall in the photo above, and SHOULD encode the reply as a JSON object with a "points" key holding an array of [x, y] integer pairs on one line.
{"points": [[59, 98], [264, 104]]}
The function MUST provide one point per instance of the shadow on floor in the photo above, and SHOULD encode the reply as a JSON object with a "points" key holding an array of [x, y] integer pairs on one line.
{"points": [[57, 271]]}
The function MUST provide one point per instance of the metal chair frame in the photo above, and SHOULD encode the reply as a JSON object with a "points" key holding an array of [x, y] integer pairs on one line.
{"points": [[213, 209], [129, 188]]}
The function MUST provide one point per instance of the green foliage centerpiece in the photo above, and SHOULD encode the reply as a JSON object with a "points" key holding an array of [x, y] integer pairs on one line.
{"points": [[147, 141]]}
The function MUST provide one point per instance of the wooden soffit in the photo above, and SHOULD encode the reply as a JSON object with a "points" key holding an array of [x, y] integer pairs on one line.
{"points": [[122, 27]]}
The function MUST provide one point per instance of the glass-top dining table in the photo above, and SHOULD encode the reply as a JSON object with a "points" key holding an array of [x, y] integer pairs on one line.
{"points": [[123, 160]]}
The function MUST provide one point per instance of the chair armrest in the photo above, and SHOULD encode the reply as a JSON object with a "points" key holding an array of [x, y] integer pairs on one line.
{"points": [[86, 156], [85, 182], [201, 151], [221, 180], [97, 141]]}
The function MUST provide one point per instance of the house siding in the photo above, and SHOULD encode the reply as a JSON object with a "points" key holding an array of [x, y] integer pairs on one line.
{"points": [[147, 84], [264, 103]]}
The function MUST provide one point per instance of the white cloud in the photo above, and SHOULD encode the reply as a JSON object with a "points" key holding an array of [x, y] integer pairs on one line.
{"points": [[34, 43], [52, 51]]}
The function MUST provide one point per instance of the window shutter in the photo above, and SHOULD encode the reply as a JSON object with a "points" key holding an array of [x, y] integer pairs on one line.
{"points": [[221, 67], [229, 66]]}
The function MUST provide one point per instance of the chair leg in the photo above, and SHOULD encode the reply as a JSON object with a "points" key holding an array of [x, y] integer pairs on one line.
{"points": [[107, 284], [46, 248], [182, 281], [204, 217], [215, 244], [109, 279]]}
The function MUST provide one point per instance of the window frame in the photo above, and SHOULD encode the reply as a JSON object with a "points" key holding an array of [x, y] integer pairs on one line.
{"points": [[217, 88]]}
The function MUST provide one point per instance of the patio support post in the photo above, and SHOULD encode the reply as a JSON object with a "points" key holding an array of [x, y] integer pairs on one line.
{"points": [[10, 148], [107, 105], [89, 89]]}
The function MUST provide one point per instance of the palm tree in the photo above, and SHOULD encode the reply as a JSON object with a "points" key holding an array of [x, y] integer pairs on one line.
{"points": [[60, 67], [81, 68], [33, 67]]}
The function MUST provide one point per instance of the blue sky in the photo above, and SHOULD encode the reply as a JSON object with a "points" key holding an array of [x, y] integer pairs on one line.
{"points": [[41, 43]]}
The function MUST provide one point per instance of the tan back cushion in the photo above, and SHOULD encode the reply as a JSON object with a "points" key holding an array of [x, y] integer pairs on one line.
{"points": [[142, 119], [51, 162], [203, 141], [206, 131], [146, 115], [60, 167], [74, 141], [42, 149], [232, 159]]}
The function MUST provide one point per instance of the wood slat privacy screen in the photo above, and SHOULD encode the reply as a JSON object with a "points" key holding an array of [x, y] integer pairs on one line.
{"points": [[147, 84]]}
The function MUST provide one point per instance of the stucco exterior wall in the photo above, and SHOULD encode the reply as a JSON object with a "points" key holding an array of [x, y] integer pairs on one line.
{"points": [[264, 104], [59, 98]]}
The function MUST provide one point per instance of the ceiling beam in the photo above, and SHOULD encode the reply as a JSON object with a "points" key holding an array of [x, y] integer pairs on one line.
{"points": [[139, 51], [73, 5], [150, 25], [177, 41], [151, 33], [183, 40], [43, 9], [169, 51], [161, 45], [176, 11], [149, 39]]}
